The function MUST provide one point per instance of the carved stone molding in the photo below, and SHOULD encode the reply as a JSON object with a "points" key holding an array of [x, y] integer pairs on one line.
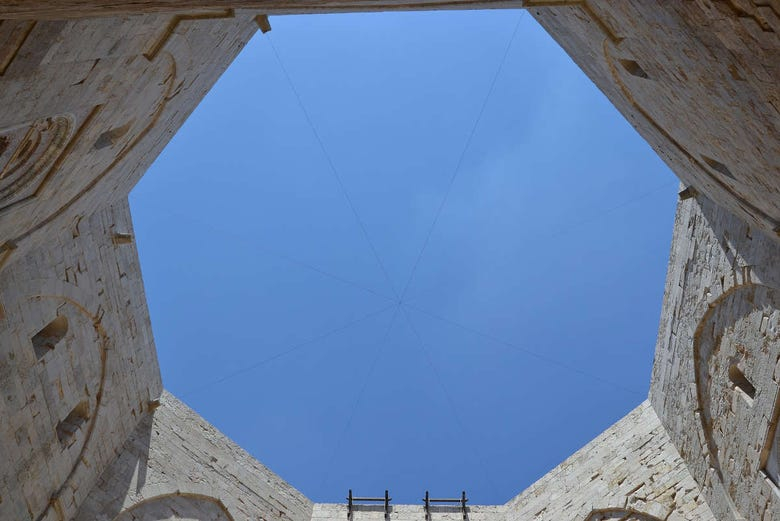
{"points": [[176, 505]]}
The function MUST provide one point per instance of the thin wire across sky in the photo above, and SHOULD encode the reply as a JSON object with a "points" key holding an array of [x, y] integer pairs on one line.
{"points": [[453, 214], [400, 308], [398, 298]]}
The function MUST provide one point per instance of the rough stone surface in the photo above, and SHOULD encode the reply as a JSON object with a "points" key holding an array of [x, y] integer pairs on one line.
{"points": [[83, 8], [86, 105], [175, 462], [716, 373], [630, 472], [100, 362], [699, 80]]}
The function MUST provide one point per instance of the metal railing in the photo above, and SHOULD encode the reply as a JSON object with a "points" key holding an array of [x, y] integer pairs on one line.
{"points": [[427, 500], [351, 500]]}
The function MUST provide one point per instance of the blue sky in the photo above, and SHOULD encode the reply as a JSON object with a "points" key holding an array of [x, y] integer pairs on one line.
{"points": [[527, 220]]}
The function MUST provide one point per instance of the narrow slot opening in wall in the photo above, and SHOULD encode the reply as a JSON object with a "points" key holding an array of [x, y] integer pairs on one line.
{"points": [[47, 338], [741, 384], [633, 68], [67, 428]]}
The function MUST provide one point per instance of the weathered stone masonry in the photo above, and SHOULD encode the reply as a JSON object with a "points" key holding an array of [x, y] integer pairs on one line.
{"points": [[175, 461], [715, 380], [77, 363], [630, 472], [92, 90]]}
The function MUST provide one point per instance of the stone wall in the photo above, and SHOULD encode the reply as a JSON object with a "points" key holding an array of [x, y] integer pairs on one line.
{"points": [[86, 105], [78, 366], [177, 466], [85, 8], [699, 80], [716, 373], [631, 472]]}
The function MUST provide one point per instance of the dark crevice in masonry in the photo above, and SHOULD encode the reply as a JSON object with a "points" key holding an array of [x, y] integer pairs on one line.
{"points": [[718, 166], [47, 338], [741, 383], [67, 428], [634, 68]]}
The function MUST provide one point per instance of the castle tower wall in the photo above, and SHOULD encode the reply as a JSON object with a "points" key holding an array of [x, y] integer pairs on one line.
{"points": [[715, 379], [177, 466], [86, 105], [439, 512], [631, 472], [91, 8], [78, 367], [699, 80]]}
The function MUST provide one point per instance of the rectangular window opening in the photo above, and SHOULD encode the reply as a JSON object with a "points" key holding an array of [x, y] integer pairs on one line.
{"points": [[742, 384], [770, 455], [47, 338], [67, 428]]}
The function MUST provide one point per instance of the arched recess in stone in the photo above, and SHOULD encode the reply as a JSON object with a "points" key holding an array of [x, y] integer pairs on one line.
{"points": [[27, 154], [59, 359], [736, 352], [619, 514], [77, 413], [179, 506]]}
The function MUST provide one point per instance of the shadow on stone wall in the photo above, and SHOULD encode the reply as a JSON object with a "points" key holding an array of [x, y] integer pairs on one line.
{"points": [[124, 479], [620, 514], [748, 248]]}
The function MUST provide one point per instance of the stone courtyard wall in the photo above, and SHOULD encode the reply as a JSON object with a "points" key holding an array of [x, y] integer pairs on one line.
{"points": [[177, 466], [698, 79], [716, 373], [86, 105], [631, 472], [78, 366]]}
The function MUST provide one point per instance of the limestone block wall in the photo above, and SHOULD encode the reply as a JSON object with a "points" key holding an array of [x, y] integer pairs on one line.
{"points": [[699, 80], [78, 366], [87, 104], [177, 466], [631, 472], [715, 379]]}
